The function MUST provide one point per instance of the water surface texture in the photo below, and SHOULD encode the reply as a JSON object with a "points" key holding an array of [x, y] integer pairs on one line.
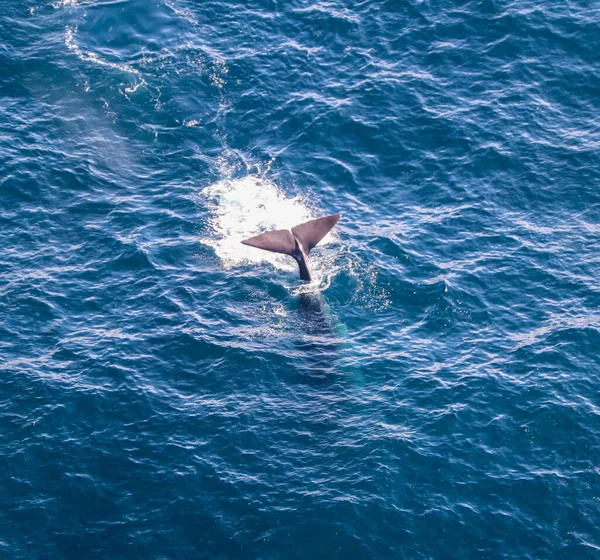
{"points": [[166, 392]]}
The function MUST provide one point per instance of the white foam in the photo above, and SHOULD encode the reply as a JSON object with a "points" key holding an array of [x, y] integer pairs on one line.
{"points": [[243, 207], [89, 56]]}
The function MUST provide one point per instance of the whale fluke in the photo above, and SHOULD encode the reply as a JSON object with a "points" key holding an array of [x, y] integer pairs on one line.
{"points": [[310, 233], [297, 243], [278, 241]]}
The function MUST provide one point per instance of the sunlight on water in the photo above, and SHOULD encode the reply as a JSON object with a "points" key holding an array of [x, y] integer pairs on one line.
{"points": [[65, 4], [168, 392]]}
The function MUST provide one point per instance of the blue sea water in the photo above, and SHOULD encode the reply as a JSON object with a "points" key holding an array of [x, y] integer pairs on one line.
{"points": [[166, 392]]}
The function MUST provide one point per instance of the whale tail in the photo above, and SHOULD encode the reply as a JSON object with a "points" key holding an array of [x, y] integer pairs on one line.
{"points": [[298, 242]]}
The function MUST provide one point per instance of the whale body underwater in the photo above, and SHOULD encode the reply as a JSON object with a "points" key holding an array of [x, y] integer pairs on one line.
{"points": [[297, 242]]}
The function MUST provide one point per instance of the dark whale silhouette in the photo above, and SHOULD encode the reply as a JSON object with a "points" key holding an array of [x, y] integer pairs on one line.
{"points": [[298, 242]]}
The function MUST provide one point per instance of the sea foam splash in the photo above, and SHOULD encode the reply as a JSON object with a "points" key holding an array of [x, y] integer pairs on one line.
{"points": [[243, 207]]}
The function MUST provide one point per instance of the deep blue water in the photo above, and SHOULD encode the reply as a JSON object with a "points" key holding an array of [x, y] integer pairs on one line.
{"points": [[166, 392]]}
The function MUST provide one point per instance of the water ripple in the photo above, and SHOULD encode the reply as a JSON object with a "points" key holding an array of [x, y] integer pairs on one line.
{"points": [[168, 393]]}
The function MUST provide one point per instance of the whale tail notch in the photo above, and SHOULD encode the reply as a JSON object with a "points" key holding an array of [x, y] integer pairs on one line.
{"points": [[298, 242]]}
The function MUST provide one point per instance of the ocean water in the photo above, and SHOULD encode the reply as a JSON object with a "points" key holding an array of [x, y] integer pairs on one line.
{"points": [[166, 392]]}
